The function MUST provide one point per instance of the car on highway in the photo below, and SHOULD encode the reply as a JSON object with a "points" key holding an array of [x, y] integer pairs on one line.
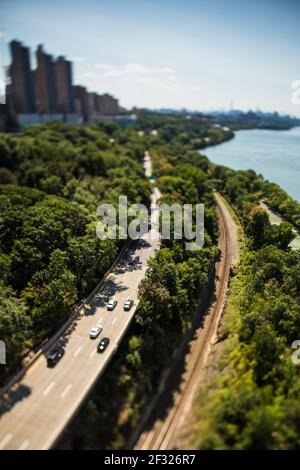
{"points": [[128, 304], [103, 345], [95, 331], [112, 303], [54, 356]]}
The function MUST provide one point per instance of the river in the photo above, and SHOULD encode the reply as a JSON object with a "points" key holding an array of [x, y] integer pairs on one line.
{"points": [[274, 154]]}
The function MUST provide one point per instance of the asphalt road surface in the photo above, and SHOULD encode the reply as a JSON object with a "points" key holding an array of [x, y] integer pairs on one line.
{"points": [[45, 400]]}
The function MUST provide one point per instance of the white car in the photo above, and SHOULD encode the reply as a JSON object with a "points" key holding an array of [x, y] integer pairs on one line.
{"points": [[95, 331], [111, 304]]}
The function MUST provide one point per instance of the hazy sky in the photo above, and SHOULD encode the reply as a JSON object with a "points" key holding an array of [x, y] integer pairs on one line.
{"points": [[170, 53]]}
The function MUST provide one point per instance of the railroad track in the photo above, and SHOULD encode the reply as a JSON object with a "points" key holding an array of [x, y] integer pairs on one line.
{"points": [[161, 435]]}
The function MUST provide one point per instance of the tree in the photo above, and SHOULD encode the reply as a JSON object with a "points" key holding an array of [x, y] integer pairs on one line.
{"points": [[258, 228], [15, 327], [281, 235], [7, 176], [51, 294]]}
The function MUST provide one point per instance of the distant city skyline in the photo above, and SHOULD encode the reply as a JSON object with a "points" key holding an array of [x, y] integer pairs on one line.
{"points": [[171, 54]]}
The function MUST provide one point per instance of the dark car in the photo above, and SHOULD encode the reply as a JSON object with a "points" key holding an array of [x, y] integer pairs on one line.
{"points": [[54, 356], [103, 345]]}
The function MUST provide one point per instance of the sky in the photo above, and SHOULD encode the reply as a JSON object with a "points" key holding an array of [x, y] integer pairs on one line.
{"points": [[195, 54]]}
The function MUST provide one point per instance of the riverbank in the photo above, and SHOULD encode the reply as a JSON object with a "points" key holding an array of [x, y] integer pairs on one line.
{"points": [[275, 155]]}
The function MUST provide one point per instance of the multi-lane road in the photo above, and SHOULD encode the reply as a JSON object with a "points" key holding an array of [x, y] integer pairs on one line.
{"points": [[42, 403]]}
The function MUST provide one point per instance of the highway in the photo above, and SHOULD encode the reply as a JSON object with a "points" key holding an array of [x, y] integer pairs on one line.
{"points": [[170, 410], [43, 402]]}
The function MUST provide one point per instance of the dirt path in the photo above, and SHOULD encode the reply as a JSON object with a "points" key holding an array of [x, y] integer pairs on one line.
{"points": [[175, 401]]}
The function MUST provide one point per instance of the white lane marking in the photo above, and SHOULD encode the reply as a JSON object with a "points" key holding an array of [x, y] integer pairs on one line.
{"points": [[93, 353], [49, 388], [24, 445], [77, 351], [100, 319], [114, 320], [66, 391], [5, 440]]}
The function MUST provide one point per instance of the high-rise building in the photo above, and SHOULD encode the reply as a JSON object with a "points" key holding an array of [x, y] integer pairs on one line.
{"points": [[82, 102], [64, 87], [45, 83], [47, 92], [92, 103], [21, 91], [99, 104], [108, 105], [3, 112], [102, 105]]}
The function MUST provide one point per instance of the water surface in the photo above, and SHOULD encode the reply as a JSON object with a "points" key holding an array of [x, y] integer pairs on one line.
{"points": [[274, 154]]}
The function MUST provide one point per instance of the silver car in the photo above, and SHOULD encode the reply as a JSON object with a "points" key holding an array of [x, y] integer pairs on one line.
{"points": [[95, 331], [112, 304]]}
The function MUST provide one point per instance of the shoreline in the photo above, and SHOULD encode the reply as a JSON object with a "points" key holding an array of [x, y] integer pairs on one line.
{"points": [[258, 152]]}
